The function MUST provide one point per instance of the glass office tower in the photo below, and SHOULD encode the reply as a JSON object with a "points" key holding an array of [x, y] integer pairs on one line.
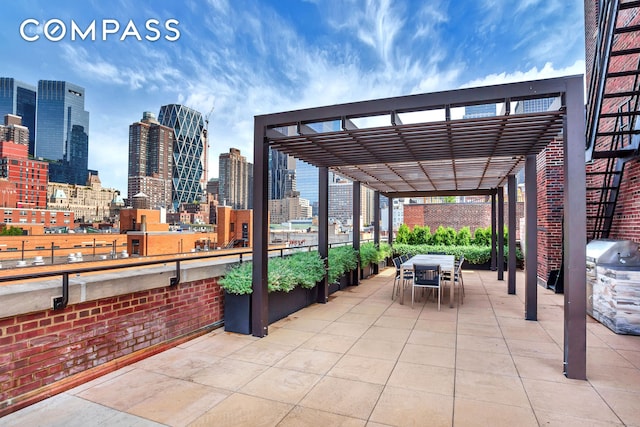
{"points": [[19, 98], [188, 152], [62, 131]]}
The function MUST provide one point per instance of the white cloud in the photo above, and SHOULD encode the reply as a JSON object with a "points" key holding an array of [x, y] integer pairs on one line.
{"points": [[546, 72]]}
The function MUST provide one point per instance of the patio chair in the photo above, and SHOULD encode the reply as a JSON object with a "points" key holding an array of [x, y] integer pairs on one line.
{"points": [[457, 278], [426, 277], [399, 281]]}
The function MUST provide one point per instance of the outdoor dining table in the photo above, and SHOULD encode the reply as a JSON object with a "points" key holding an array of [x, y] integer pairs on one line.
{"points": [[446, 263]]}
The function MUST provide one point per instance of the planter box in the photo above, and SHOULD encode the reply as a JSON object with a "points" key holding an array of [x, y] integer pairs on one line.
{"points": [[487, 266], [343, 282], [366, 271], [237, 308], [237, 313]]}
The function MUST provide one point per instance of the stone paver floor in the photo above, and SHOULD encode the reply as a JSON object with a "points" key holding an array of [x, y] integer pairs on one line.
{"points": [[365, 360]]}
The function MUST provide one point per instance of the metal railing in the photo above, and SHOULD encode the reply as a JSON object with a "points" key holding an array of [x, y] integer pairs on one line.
{"points": [[62, 301]]}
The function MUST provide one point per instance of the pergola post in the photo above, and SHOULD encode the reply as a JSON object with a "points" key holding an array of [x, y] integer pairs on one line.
{"points": [[260, 257], [500, 232], [356, 228], [493, 231], [531, 239], [575, 240], [390, 219], [376, 224], [323, 229], [511, 195]]}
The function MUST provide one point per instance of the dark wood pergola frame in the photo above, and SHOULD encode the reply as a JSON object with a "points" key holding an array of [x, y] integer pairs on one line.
{"points": [[476, 156]]}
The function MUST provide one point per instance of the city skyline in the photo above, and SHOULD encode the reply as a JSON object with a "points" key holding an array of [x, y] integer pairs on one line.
{"points": [[247, 58]]}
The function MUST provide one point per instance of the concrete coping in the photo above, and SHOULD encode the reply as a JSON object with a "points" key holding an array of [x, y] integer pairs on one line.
{"points": [[37, 295]]}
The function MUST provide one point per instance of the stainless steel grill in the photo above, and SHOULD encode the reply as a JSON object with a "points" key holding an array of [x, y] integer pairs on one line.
{"points": [[613, 284]]}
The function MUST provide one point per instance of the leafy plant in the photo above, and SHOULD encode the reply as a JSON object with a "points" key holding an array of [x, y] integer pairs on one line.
{"points": [[482, 236], [303, 269], [403, 234], [464, 237], [384, 251], [439, 237], [368, 254], [449, 236], [421, 235], [472, 253], [341, 260], [238, 279], [11, 231]]}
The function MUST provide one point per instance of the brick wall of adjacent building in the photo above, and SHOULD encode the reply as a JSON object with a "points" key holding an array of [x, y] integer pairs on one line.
{"points": [[230, 223], [550, 185], [456, 215], [628, 204], [40, 348]]}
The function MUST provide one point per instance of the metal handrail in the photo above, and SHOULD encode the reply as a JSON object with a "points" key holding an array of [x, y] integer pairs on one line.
{"points": [[61, 302]]}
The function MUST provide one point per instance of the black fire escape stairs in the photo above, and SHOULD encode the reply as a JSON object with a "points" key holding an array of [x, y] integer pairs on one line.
{"points": [[619, 143]]}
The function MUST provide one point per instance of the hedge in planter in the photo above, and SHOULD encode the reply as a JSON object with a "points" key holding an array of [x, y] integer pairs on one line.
{"points": [[342, 260], [371, 255], [474, 255], [291, 282]]}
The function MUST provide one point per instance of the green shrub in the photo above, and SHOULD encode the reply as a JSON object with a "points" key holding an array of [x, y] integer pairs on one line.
{"points": [[449, 236], [421, 235], [384, 251], [464, 237], [238, 279], [11, 231], [303, 269], [403, 234], [439, 237], [341, 260], [482, 237], [368, 254]]}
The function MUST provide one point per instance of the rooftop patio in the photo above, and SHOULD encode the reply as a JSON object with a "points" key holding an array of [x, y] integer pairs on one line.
{"points": [[364, 359]]}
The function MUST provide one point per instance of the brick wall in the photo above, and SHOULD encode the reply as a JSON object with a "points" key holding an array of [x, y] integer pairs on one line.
{"points": [[626, 220], [626, 213], [550, 185], [456, 215], [40, 348]]}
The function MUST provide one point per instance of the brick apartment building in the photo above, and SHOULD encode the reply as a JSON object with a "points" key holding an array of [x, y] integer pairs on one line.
{"points": [[29, 177], [613, 213]]}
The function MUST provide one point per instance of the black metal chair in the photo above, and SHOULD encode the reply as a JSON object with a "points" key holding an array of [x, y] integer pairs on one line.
{"points": [[457, 278], [399, 281], [426, 277]]}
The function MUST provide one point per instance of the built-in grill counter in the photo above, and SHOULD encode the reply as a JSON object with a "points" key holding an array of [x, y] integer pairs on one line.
{"points": [[613, 284]]}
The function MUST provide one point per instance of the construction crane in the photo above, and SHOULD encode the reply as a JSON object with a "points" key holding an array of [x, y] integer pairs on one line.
{"points": [[206, 148]]}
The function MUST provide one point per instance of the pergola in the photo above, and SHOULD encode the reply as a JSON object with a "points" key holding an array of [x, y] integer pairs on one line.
{"points": [[440, 154]]}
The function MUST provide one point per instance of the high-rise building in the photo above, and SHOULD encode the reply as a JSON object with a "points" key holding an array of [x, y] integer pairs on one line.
{"points": [[62, 131], [282, 175], [151, 161], [235, 180], [189, 147], [307, 181], [19, 99], [533, 105], [477, 111], [12, 130]]}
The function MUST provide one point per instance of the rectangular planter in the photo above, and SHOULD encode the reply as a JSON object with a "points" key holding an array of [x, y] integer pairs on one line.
{"points": [[237, 308], [342, 283], [366, 271], [237, 313]]}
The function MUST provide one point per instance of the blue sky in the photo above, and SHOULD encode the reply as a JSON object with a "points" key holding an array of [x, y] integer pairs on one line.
{"points": [[243, 58]]}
